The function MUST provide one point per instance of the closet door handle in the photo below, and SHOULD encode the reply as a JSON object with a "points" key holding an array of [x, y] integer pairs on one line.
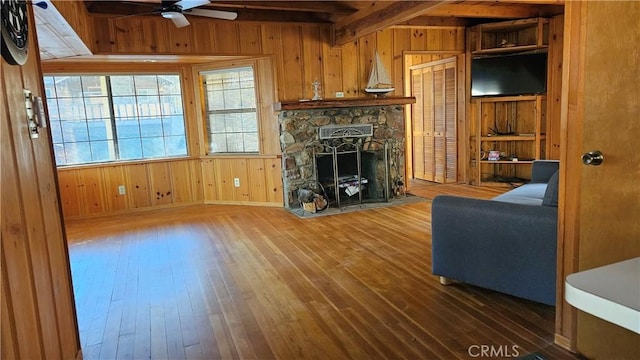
{"points": [[594, 158]]}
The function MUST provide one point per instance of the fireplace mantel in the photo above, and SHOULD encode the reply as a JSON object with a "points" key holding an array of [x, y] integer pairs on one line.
{"points": [[343, 103]]}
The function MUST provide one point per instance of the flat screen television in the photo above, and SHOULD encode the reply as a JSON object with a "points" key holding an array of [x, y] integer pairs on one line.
{"points": [[505, 75]]}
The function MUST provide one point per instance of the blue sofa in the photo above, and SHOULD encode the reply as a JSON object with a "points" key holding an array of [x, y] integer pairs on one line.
{"points": [[507, 244]]}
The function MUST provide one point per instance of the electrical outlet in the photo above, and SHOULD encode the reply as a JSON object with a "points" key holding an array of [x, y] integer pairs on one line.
{"points": [[121, 190], [236, 182], [339, 94]]}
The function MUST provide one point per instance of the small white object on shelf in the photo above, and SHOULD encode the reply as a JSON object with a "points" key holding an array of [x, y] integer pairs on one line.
{"points": [[316, 90]]}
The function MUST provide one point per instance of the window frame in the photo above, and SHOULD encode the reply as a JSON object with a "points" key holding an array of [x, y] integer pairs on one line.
{"points": [[266, 94], [113, 117], [205, 112]]}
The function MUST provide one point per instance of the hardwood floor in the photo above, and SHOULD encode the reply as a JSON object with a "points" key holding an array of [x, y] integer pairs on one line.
{"points": [[237, 282]]}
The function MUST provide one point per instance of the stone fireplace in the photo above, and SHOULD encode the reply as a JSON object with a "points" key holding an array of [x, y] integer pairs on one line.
{"points": [[352, 149]]}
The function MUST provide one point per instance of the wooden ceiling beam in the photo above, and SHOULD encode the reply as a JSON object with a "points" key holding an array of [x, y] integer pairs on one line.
{"points": [[433, 21], [334, 7], [379, 16], [493, 11]]}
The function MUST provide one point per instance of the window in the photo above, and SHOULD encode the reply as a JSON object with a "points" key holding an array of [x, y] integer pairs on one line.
{"points": [[230, 105], [98, 118]]}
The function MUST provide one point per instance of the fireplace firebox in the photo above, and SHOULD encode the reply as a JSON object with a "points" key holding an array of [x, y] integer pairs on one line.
{"points": [[350, 172]]}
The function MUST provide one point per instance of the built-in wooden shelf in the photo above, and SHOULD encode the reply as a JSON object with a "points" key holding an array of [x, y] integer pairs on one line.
{"points": [[343, 103]]}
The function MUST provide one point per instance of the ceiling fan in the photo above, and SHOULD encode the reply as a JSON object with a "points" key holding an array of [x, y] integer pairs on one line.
{"points": [[176, 11]]}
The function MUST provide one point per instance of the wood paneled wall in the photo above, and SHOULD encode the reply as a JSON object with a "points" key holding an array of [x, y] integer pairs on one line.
{"points": [[260, 180], [93, 190], [301, 52], [554, 87], [298, 54], [37, 308]]}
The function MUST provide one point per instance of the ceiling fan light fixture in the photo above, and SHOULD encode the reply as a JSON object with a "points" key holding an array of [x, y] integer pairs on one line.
{"points": [[170, 14]]}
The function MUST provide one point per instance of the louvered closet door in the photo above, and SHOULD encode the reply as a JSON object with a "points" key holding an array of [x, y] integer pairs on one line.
{"points": [[450, 128], [439, 111], [423, 145], [434, 121], [417, 131]]}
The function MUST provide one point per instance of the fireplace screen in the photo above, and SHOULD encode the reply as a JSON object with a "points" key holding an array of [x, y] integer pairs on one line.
{"points": [[351, 170]]}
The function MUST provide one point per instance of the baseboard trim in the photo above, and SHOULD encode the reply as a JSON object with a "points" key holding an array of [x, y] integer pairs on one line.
{"points": [[563, 342], [245, 203]]}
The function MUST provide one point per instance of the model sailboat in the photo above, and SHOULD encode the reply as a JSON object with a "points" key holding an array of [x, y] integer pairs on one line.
{"points": [[379, 81]]}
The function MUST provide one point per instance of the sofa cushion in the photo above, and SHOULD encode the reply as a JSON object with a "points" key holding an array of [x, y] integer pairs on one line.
{"points": [[551, 193], [528, 194]]}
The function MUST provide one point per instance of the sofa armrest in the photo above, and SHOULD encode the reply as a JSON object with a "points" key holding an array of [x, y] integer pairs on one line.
{"points": [[542, 170], [507, 247]]}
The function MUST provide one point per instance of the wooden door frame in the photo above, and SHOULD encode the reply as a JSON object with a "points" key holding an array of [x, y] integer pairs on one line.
{"points": [[571, 124], [462, 126]]}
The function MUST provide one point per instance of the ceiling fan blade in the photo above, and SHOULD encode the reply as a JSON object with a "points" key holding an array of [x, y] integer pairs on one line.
{"points": [[216, 14], [190, 4], [178, 19]]}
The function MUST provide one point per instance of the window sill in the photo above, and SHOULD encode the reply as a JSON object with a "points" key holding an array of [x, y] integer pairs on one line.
{"points": [[124, 163]]}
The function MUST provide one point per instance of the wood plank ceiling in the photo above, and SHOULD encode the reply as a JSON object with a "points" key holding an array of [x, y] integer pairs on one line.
{"points": [[351, 19]]}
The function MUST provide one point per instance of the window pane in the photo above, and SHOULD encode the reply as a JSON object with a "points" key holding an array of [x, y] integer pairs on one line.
{"points": [[169, 84], [71, 109], [125, 106], [56, 131], [153, 147], [246, 79], [233, 123], [215, 100], [235, 143], [146, 84], [148, 106], [100, 129], [248, 98], [77, 152], [121, 85], [102, 151], [232, 99], [175, 145], [73, 131], [127, 128], [216, 123], [130, 149], [52, 105], [68, 86], [251, 142], [171, 105], [49, 87], [230, 80], [58, 150], [97, 107], [150, 127], [94, 86], [249, 122], [173, 125], [218, 143]]}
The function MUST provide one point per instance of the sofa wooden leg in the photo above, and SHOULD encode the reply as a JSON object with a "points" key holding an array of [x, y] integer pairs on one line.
{"points": [[445, 281]]}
